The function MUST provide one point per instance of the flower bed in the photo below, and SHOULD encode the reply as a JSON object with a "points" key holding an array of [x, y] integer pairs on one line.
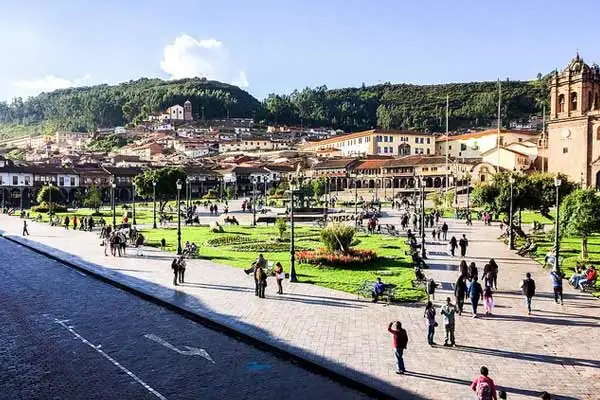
{"points": [[262, 247], [323, 257], [228, 240]]}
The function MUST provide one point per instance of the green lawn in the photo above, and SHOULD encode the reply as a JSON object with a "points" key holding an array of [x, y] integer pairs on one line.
{"points": [[393, 265], [142, 216], [570, 252]]}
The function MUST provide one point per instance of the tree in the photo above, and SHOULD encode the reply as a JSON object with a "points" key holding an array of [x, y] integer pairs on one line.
{"points": [[48, 193], [93, 199], [281, 227], [318, 187], [166, 188], [579, 216], [436, 199]]}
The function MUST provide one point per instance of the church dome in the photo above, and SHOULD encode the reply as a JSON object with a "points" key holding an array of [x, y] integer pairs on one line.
{"points": [[577, 65]]}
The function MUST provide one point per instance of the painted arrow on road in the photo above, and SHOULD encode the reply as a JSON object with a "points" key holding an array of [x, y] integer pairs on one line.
{"points": [[191, 351]]}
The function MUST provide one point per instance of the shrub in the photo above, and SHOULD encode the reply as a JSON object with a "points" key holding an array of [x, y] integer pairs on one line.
{"points": [[281, 224], [211, 195], [338, 237], [44, 208], [323, 257]]}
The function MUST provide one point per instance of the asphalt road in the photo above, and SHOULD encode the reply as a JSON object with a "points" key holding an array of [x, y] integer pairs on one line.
{"points": [[64, 335]]}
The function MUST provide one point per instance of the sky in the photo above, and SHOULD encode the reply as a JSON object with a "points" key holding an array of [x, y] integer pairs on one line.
{"points": [[267, 46]]}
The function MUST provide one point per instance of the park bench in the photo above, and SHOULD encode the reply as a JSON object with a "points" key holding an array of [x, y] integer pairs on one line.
{"points": [[589, 286], [366, 289], [266, 220]]}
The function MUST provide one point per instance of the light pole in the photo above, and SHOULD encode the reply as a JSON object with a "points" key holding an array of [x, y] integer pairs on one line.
{"points": [[253, 201], [134, 220], [50, 199], [580, 181], [154, 204], [113, 186], [178, 208], [557, 183], [356, 198], [293, 276], [327, 198], [423, 252], [511, 239]]}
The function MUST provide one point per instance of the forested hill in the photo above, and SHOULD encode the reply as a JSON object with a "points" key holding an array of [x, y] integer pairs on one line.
{"points": [[100, 106], [405, 106], [399, 106]]}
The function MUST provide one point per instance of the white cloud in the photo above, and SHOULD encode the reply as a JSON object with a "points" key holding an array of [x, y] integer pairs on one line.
{"points": [[49, 83], [187, 57]]}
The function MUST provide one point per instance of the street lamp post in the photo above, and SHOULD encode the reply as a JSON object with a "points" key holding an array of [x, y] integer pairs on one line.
{"points": [[134, 220], [293, 276], [50, 199], [423, 252], [557, 183], [113, 186], [393, 193], [154, 204], [178, 208], [254, 201], [511, 238], [356, 198]]}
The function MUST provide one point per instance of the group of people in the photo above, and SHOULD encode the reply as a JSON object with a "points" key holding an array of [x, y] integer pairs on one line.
{"points": [[453, 244], [84, 223], [178, 266], [467, 286], [259, 272], [190, 249], [583, 276]]}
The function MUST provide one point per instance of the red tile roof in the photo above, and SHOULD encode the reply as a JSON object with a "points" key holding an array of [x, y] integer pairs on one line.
{"points": [[472, 135]]}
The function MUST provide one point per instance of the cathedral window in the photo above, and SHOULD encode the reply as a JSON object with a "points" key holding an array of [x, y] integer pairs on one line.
{"points": [[561, 103], [573, 101]]}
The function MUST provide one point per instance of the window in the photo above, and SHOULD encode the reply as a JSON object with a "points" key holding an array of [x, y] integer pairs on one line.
{"points": [[61, 181], [378, 149], [561, 103], [428, 140], [573, 101], [520, 139], [72, 181], [428, 149], [15, 180], [598, 134], [565, 150], [449, 147], [385, 149], [416, 140], [391, 139], [359, 140], [463, 147], [27, 182], [379, 138]]}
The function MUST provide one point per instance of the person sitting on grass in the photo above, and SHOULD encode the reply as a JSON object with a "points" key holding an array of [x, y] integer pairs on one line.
{"points": [[378, 289]]}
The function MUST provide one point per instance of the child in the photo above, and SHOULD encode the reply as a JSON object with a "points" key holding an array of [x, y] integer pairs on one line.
{"points": [[488, 300], [434, 233]]}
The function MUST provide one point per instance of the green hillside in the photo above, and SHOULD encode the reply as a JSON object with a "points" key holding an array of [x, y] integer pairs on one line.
{"points": [[388, 105], [102, 106]]}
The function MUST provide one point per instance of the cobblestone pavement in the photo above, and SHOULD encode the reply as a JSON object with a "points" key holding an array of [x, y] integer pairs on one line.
{"points": [[45, 305], [548, 350]]}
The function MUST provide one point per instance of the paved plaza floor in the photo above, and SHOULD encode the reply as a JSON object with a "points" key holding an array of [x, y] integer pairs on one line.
{"points": [[552, 349]]}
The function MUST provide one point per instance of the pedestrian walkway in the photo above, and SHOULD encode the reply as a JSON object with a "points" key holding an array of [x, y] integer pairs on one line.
{"points": [[552, 350]]}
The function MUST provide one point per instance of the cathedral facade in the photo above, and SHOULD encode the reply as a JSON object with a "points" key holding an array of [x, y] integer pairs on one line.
{"points": [[573, 129]]}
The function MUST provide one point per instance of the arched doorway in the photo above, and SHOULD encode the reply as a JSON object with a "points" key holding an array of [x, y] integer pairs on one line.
{"points": [[404, 149], [437, 182]]}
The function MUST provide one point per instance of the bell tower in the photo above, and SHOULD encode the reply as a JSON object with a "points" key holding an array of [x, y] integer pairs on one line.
{"points": [[187, 111], [574, 124]]}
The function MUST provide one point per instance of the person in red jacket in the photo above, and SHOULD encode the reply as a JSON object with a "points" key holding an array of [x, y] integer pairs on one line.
{"points": [[400, 342], [484, 386]]}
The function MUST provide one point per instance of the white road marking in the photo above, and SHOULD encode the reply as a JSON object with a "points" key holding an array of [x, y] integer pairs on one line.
{"points": [[191, 351], [109, 358]]}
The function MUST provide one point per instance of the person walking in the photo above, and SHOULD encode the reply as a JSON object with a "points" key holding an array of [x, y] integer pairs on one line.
{"points": [[67, 221], [488, 300], [260, 262], [475, 293], [453, 245], [494, 267], [473, 272], [484, 386], [279, 277], [181, 264], [445, 231], [25, 231], [431, 286], [448, 312], [464, 269], [463, 243], [261, 277], [557, 278], [431, 324], [528, 287], [75, 222], [460, 292], [175, 268], [400, 344]]}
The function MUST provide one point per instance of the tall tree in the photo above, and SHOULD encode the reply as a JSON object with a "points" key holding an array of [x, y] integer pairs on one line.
{"points": [[165, 178], [579, 216]]}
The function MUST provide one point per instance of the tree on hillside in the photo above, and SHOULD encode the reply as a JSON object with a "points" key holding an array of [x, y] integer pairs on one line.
{"points": [[579, 216], [44, 195], [93, 199], [166, 188]]}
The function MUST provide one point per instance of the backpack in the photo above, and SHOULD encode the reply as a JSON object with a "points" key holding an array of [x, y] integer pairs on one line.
{"points": [[484, 391]]}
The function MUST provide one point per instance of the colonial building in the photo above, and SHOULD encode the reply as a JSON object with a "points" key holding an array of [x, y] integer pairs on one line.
{"points": [[378, 142], [474, 144], [574, 126]]}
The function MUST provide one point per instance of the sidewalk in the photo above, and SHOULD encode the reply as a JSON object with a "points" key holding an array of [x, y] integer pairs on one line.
{"points": [[549, 350]]}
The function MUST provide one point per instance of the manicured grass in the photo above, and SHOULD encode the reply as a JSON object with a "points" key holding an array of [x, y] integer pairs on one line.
{"points": [[392, 265], [142, 215], [570, 252], [529, 216]]}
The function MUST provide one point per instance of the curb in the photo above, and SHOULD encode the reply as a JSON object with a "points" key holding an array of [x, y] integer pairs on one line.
{"points": [[287, 355]]}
